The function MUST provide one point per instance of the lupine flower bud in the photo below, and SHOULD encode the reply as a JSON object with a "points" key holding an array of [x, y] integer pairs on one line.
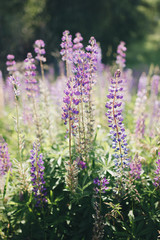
{"points": [[13, 79], [5, 163], [16, 84], [71, 177]]}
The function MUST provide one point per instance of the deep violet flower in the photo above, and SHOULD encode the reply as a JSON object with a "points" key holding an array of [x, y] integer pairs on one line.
{"points": [[5, 163], [81, 164], [157, 173], [121, 55], [115, 121], [39, 50], [30, 76], [70, 110], [37, 176], [101, 184]]}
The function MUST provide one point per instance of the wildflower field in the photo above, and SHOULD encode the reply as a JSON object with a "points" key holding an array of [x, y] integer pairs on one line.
{"points": [[79, 150]]}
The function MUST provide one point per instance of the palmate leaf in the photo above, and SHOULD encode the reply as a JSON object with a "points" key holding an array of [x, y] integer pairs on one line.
{"points": [[106, 165]]}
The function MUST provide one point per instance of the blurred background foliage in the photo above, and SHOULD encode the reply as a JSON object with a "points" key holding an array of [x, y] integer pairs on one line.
{"points": [[137, 22]]}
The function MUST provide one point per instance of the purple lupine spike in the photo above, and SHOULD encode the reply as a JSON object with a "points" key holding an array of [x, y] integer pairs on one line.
{"points": [[70, 110], [5, 163], [30, 76], [135, 167], [121, 55], [70, 106], [115, 121], [101, 184], [37, 176], [67, 47], [157, 173], [142, 82], [92, 55], [140, 126], [139, 113], [39, 50], [155, 85]]}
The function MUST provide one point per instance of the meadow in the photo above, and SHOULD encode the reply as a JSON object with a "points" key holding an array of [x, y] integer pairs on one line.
{"points": [[79, 150]]}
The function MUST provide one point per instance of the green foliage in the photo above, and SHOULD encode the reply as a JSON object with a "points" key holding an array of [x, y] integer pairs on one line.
{"points": [[109, 21]]}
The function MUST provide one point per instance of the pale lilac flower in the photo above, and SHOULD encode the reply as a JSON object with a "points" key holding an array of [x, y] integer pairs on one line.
{"points": [[11, 64], [39, 50], [67, 47], [30, 76], [121, 56], [136, 168]]}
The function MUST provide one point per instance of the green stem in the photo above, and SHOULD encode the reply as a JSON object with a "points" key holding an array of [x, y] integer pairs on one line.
{"points": [[18, 130]]}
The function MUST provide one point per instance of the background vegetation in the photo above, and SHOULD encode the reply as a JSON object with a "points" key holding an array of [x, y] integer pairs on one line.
{"points": [[135, 22]]}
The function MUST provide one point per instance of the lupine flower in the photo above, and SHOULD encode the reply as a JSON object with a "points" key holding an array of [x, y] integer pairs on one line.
{"points": [[11, 64], [136, 167], [5, 163], [101, 184], [30, 76], [115, 121], [39, 50], [157, 173], [121, 55], [37, 176], [81, 164]]}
